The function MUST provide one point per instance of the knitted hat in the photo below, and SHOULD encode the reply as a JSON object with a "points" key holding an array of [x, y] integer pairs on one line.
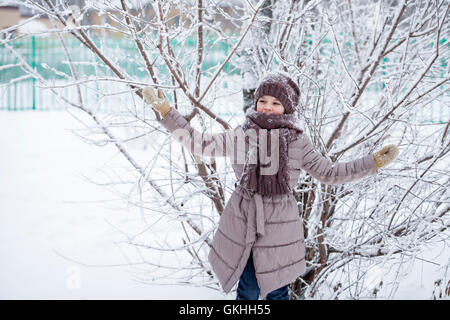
{"points": [[281, 87]]}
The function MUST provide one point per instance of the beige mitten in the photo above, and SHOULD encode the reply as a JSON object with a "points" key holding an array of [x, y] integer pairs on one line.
{"points": [[385, 156], [160, 103]]}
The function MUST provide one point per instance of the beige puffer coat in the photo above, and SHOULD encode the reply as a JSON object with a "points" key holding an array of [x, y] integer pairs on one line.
{"points": [[268, 226]]}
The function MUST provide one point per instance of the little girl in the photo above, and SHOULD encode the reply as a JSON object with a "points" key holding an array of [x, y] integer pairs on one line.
{"points": [[259, 240]]}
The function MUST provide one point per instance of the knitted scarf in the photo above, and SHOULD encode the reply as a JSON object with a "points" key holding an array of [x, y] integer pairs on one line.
{"points": [[254, 176]]}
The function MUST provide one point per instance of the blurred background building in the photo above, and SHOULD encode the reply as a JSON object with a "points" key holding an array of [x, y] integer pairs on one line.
{"points": [[13, 13]]}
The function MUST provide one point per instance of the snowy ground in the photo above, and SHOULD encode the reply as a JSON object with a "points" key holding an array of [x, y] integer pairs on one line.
{"points": [[53, 223]]}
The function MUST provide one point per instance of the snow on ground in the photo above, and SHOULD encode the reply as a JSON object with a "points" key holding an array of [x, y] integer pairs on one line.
{"points": [[54, 223]]}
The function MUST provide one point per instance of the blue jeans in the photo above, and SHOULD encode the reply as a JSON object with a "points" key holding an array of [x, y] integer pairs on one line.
{"points": [[248, 288]]}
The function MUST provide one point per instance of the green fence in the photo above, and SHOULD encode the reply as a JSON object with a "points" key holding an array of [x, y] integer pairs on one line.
{"points": [[19, 91]]}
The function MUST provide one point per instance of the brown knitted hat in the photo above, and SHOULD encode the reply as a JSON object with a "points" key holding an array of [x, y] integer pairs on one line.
{"points": [[281, 87]]}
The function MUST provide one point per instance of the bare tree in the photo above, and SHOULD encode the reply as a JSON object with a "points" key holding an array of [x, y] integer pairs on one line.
{"points": [[369, 72]]}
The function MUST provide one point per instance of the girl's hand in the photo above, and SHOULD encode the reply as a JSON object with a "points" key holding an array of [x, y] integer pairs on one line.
{"points": [[385, 156], [160, 103]]}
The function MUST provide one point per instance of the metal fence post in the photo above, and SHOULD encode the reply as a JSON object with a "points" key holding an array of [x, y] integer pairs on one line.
{"points": [[33, 65]]}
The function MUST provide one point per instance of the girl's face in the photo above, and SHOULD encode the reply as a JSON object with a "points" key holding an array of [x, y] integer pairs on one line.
{"points": [[269, 104]]}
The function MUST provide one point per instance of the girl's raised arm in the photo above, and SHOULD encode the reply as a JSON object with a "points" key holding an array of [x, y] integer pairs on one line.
{"points": [[337, 173], [198, 143]]}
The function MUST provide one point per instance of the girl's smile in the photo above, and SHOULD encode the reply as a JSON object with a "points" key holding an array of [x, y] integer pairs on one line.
{"points": [[269, 104]]}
